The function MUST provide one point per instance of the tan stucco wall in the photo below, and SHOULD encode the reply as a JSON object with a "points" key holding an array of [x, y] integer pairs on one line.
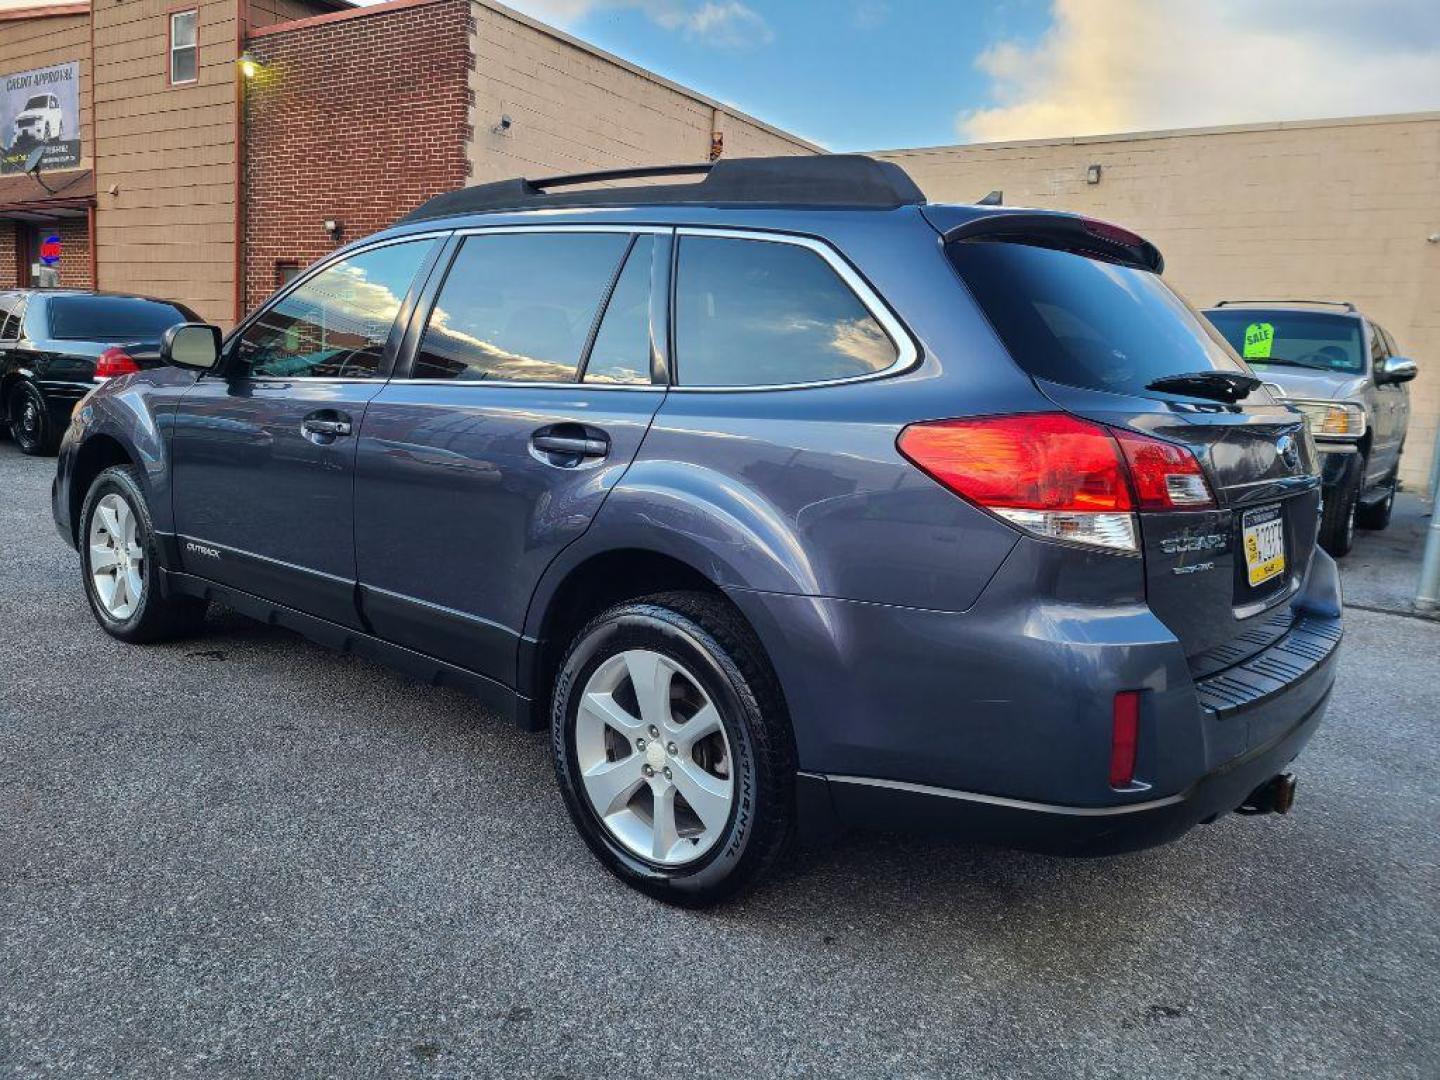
{"points": [[1336, 210], [575, 108], [169, 230]]}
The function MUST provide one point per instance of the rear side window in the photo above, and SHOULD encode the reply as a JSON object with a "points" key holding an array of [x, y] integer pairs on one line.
{"points": [[518, 307], [113, 318], [764, 313], [9, 316], [336, 324], [1075, 320], [1285, 337], [621, 353]]}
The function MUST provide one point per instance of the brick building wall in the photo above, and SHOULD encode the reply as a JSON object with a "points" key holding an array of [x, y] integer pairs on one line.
{"points": [[9, 255], [1335, 210], [357, 118]]}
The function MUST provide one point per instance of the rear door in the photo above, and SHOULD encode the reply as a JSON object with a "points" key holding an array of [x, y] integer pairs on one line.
{"points": [[529, 381], [1095, 333], [264, 455]]}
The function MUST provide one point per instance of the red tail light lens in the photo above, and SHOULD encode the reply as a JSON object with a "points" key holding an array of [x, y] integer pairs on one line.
{"points": [[1124, 737], [1058, 476], [113, 362], [1044, 461], [1166, 476]]}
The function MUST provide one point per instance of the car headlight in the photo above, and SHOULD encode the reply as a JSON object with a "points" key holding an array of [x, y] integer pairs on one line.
{"points": [[1332, 420]]}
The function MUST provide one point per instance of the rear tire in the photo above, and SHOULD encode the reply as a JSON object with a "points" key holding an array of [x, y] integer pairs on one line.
{"points": [[1337, 522], [119, 557], [30, 424], [709, 669], [1377, 515]]}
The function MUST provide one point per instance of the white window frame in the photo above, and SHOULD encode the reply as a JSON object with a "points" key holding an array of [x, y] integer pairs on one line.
{"points": [[175, 49]]}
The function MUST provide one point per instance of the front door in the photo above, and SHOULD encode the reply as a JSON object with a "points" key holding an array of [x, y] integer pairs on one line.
{"points": [[264, 454], [498, 440]]}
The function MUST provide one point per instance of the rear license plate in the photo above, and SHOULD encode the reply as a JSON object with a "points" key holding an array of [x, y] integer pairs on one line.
{"points": [[1263, 533]]}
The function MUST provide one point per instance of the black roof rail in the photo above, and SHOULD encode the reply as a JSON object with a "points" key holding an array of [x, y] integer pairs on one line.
{"points": [[1346, 304], [850, 181]]}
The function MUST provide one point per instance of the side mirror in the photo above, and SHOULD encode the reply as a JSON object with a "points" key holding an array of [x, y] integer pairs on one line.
{"points": [[191, 345], [1398, 369]]}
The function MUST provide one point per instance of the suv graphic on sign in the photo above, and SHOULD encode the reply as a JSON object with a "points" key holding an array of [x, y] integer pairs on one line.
{"points": [[39, 122]]}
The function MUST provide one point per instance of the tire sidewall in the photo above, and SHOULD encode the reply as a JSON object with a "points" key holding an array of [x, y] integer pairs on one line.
{"points": [[22, 393], [680, 639], [119, 481]]}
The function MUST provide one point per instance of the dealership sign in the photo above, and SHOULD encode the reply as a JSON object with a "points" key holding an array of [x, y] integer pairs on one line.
{"points": [[40, 107]]}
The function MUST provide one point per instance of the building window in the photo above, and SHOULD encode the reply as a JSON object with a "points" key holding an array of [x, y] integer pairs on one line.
{"points": [[184, 47], [286, 271]]}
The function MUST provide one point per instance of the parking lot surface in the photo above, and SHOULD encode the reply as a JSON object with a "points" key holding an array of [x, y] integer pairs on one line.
{"points": [[247, 856]]}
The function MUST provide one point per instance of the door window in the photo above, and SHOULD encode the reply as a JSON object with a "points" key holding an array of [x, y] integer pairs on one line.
{"points": [[763, 313], [621, 353], [9, 316], [519, 307], [336, 324]]}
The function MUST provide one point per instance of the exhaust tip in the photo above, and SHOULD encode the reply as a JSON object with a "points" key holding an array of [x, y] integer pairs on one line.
{"points": [[1275, 796]]}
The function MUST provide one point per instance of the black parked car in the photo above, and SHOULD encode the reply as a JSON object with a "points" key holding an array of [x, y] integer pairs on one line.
{"points": [[55, 344]]}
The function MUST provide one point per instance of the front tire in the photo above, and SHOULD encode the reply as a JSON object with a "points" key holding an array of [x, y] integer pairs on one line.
{"points": [[1337, 522], [673, 749], [119, 560], [30, 424]]}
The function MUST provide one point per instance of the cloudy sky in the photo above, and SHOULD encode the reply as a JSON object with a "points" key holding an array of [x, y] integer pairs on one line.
{"points": [[872, 74]]}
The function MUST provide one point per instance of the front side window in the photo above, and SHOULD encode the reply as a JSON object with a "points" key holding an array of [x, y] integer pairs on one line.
{"points": [[766, 313], [336, 324], [518, 307], [184, 47]]}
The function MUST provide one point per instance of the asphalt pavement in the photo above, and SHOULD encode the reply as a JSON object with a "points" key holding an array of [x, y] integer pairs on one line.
{"points": [[245, 856]]}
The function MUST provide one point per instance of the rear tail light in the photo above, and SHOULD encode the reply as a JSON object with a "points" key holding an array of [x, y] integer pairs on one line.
{"points": [[1124, 734], [113, 362], [1057, 476]]}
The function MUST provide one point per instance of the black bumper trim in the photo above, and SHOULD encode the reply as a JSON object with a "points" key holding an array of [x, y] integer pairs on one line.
{"points": [[1295, 656]]}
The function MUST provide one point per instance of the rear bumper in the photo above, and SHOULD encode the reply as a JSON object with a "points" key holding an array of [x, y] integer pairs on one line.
{"points": [[1068, 830]]}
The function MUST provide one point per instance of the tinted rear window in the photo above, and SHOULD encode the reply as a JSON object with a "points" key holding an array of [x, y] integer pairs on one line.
{"points": [[1284, 338], [113, 318], [1075, 320]]}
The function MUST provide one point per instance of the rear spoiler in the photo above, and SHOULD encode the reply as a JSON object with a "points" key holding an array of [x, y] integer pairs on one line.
{"points": [[1084, 236]]}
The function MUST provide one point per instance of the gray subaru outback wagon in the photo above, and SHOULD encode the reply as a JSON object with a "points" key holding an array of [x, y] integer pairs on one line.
{"points": [[783, 498]]}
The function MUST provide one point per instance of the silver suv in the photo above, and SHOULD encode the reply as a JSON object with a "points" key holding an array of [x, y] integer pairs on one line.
{"points": [[1345, 373]]}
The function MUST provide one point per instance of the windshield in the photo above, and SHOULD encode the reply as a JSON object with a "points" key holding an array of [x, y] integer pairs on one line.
{"points": [[113, 318], [1072, 319], [37, 103], [1311, 339]]}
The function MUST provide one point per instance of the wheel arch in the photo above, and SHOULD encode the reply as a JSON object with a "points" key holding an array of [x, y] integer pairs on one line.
{"points": [[99, 452]]}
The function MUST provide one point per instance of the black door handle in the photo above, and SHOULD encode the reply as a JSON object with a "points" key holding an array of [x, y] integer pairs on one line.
{"points": [[326, 423], [565, 444]]}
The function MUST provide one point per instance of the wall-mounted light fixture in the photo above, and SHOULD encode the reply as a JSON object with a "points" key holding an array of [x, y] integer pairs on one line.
{"points": [[334, 228], [249, 66], [1092, 174], [504, 126]]}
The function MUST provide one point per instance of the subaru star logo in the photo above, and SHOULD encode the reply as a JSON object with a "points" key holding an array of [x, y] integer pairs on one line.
{"points": [[1288, 451]]}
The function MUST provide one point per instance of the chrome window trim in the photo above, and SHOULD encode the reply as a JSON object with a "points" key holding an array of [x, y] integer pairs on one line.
{"points": [[907, 353]]}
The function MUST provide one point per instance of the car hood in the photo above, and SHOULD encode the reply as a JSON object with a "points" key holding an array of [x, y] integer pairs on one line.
{"points": [[1309, 384]]}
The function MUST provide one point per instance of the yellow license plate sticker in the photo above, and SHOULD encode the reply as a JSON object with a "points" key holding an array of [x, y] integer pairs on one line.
{"points": [[1264, 539]]}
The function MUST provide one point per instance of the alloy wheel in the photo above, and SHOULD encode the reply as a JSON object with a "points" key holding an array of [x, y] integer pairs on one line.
{"points": [[653, 757], [117, 558]]}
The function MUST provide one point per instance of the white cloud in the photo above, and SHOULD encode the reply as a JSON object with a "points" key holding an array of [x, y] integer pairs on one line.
{"points": [[1128, 65], [724, 23]]}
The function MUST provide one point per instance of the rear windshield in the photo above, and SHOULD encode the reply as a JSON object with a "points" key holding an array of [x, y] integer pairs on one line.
{"points": [[113, 318], [1072, 319], [1310, 339]]}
